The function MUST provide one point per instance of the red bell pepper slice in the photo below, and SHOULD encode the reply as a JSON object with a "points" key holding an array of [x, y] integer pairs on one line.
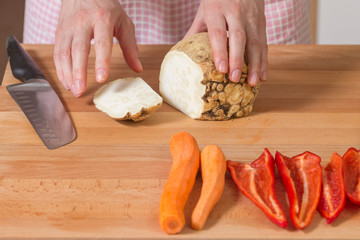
{"points": [[352, 174], [332, 199], [301, 176], [256, 181]]}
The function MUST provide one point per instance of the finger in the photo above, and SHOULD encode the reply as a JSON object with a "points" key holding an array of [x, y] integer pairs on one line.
{"points": [[59, 71], [79, 51], [58, 50], [253, 49], [103, 37], [63, 59], [263, 43], [237, 40], [216, 26], [126, 37], [264, 65], [264, 56], [197, 26]]}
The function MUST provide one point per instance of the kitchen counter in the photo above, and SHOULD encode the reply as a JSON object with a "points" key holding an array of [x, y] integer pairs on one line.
{"points": [[108, 182]]}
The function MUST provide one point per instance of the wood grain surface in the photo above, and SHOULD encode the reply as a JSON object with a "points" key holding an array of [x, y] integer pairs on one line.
{"points": [[108, 182]]}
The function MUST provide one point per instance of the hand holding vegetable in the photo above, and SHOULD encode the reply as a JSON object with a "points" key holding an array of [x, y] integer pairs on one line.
{"points": [[246, 24], [82, 20]]}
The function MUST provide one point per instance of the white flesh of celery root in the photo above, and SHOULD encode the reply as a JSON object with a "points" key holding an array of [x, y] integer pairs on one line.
{"points": [[180, 83], [127, 98]]}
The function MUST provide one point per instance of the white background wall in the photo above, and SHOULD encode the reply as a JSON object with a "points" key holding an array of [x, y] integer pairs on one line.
{"points": [[338, 22]]}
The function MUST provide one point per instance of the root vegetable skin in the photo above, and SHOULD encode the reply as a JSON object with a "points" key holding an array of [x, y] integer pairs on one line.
{"points": [[127, 99], [213, 169], [190, 82], [186, 158]]}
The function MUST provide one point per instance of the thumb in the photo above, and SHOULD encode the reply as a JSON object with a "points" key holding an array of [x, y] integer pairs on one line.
{"points": [[198, 24]]}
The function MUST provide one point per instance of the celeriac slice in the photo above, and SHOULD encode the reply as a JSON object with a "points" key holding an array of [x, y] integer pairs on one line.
{"points": [[127, 98]]}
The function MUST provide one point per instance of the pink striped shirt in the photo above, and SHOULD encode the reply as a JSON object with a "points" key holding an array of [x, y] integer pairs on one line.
{"points": [[167, 21]]}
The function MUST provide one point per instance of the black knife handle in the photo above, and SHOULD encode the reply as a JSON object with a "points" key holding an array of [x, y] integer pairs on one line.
{"points": [[22, 65]]}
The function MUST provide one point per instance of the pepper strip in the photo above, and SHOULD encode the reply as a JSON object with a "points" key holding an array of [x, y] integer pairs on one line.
{"points": [[301, 176], [332, 199], [256, 181], [352, 174]]}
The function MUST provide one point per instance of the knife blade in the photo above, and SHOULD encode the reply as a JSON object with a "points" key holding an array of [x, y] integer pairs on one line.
{"points": [[37, 99]]}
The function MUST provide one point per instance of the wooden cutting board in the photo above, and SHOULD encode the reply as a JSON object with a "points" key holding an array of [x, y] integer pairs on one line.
{"points": [[108, 182]]}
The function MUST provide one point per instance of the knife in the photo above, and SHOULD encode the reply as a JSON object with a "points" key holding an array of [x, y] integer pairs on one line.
{"points": [[37, 99]]}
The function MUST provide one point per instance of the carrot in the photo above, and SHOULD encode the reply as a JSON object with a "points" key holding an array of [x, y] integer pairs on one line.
{"points": [[213, 168], [186, 159]]}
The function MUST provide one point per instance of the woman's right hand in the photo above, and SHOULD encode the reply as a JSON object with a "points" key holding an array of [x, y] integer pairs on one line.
{"points": [[83, 20]]}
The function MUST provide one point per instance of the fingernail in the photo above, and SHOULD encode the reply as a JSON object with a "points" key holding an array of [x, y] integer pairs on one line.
{"points": [[235, 76], [77, 87], [100, 75], [223, 67], [140, 65], [63, 82], [254, 79], [263, 75]]}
